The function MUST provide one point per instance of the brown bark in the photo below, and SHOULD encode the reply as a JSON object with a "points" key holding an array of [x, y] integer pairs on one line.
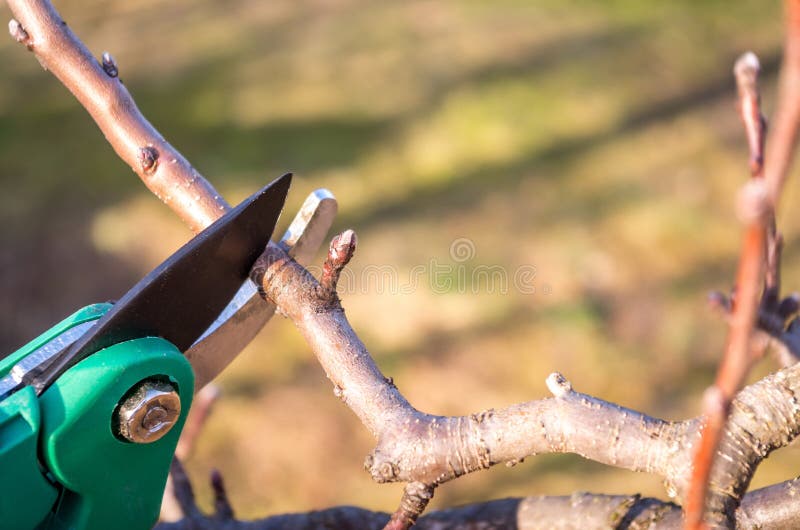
{"points": [[772, 508], [419, 448]]}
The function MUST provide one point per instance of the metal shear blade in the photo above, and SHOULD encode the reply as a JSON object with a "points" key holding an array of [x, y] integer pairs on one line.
{"points": [[247, 312], [181, 298]]}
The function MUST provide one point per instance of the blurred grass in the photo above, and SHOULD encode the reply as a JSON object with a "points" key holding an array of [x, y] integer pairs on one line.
{"points": [[593, 143]]}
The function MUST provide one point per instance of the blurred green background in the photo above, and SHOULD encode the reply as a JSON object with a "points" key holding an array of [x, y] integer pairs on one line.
{"points": [[595, 144]]}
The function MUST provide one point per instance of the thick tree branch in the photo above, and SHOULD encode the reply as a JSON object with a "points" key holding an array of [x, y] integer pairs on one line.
{"points": [[415, 447], [773, 508]]}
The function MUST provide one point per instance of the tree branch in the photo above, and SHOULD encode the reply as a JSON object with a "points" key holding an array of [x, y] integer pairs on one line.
{"points": [[735, 365], [761, 250], [774, 508], [782, 139], [97, 86], [415, 447]]}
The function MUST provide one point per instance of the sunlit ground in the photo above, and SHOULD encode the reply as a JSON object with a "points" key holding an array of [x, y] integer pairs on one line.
{"points": [[535, 188]]}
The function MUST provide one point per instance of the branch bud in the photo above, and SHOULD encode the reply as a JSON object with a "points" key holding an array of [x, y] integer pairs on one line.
{"points": [[18, 33], [558, 385], [109, 65], [148, 159]]}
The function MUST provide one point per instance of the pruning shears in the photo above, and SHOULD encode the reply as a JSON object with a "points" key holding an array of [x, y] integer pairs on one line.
{"points": [[92, 409]]}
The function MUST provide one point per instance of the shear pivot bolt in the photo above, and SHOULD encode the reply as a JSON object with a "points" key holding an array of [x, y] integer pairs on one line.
{"points": [[149, 413]]}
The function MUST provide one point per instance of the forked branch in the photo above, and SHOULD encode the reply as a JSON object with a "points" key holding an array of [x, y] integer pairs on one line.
{"points": [[425, 450]]}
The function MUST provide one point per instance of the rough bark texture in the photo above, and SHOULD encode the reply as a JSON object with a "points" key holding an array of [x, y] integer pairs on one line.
{"points": [[416, 447], [772, 508]]}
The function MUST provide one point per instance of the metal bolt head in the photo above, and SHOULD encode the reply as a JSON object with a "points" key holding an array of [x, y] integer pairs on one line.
{"points": [[149, 413]]}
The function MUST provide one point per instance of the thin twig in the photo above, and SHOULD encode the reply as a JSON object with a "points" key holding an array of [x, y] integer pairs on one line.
{"points": [[416, 496], [783, 136], [99, 89], [184, 494], [755, 209], [198, 415], [414, 447]]}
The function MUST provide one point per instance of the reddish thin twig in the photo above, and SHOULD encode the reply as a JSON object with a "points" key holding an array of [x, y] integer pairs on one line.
{"points": [[782, 139], [756, 210], [733, 369], [96, 84]]}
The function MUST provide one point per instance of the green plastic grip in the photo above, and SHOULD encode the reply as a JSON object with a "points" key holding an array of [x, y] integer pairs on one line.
{"points": [[25, 495], [92, 479], [109, 482]]}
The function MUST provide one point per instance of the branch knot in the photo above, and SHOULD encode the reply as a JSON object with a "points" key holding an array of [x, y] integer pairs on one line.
{"points": [[109, 65], [340, 253], [19, 34], [558, 385]]}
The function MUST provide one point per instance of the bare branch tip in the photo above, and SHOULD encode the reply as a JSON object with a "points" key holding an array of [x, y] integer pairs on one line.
{"points": [[343, 247], [182, 488], [747, 67], [558, 385], [109, 65]]}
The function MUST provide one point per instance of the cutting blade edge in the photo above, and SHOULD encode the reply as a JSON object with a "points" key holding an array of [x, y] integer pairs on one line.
{"points": [[180, 298]]}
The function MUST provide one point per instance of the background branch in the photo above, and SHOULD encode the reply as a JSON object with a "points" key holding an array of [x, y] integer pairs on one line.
{"points": [[771, 508]]}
